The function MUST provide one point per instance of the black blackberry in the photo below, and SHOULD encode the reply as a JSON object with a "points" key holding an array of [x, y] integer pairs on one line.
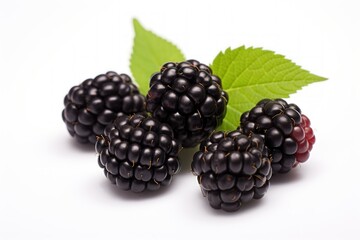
{"points": [[138, 153], [189, 98], [287, 132], [232, 168], [95, 103]]}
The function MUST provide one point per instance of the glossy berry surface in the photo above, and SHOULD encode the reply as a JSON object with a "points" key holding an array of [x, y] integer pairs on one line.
{"points": [[189, 98], [286, 131], [138, 153], [305, 140], [95, 103], [232, 168]]}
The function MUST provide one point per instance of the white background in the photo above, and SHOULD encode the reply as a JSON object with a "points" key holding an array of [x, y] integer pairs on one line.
{"points": [[52, 188]]}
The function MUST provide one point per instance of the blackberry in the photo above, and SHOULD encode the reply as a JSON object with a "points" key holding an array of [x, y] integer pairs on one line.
{"points": [[92, 105], [287, 132], [232, 168], [138, 153], [189, 98]]}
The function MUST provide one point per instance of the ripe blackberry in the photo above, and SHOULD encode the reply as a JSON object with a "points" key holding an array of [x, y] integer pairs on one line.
{"points": [[287, 132], [232, 168], [189, 98], [138, 153], [95, 103]]}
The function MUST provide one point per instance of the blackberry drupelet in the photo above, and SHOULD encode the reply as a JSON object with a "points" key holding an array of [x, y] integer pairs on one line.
{"points": [[95, 103], [189, 98], [232, 168], [138, 153], [286, 131]]}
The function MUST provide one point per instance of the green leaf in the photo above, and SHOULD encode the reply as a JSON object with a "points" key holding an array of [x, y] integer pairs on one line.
{"points": [[149, 53], [251, 74]]}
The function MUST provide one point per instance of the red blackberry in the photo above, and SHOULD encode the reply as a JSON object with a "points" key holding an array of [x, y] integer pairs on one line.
{"points": [[189, 98], [232, 168], [305, 142], [138, 153], [95, 103], [287, 132]]}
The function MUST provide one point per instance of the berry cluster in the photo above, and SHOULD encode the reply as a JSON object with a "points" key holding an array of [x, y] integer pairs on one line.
{"points": [[232, 168], [189, 98], [138, 153], [95, 103], [286, 131]]}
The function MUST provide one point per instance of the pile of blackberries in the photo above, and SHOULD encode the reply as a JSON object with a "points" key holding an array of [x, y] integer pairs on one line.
{"points": [[138, 138]]}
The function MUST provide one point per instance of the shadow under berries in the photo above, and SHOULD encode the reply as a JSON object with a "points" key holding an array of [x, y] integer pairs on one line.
{"points": [[85, 147], [288, 178]]}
